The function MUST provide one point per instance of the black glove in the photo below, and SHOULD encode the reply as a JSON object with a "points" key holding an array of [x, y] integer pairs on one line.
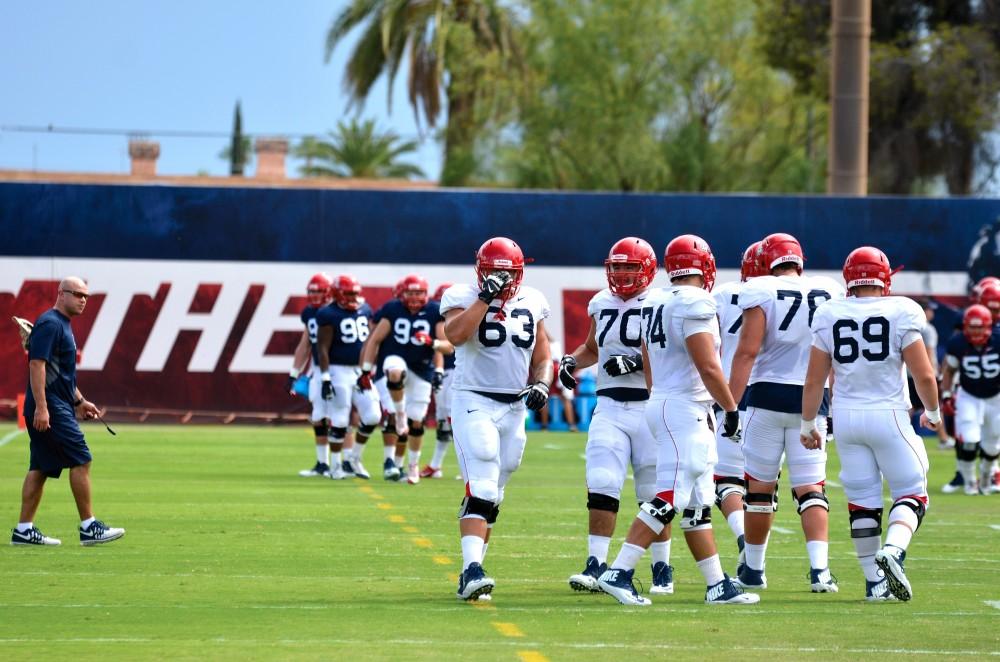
{"points": [[623, 364], [567, 365], [492, 285], [326, 389], [536, 396], [731, 428], [437, 380], [290, 385]]}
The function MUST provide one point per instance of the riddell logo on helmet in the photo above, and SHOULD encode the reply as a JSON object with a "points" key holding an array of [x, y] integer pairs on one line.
{"points": [[618, 257], [502, 263]]}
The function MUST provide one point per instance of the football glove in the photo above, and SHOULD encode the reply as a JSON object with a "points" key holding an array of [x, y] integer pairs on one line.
{"points": [[493, 284], [365, 378], [731, 428], [623, 364], [290, 384], [947, 404], [24, 330], [326, 388], [567, 365], [423, 338], [437, 379], [535, 396]]}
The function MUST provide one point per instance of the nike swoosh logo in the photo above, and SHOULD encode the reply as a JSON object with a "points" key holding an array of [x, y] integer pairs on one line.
{"points": [[469, 411]]}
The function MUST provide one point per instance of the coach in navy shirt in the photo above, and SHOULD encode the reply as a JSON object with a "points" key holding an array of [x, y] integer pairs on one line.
{"points": [[51, 405]]}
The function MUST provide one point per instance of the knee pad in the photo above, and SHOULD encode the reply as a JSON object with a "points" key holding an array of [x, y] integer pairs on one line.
{"points": [[986, 456], [914, 503], [598, 501], [966, 451], [336, 435], [416, 430], [366, 430], [761, 502], [656, 514], [726, 486], [603, 481], [494, 514], [858, 528], [476, 507], [811, 500], [389, 425], [320, 430], [696, 519], [444, 431]]}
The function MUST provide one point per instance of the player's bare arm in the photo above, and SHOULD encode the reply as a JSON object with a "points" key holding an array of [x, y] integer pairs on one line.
{"points": [[324, 339], [441, 343], [370, 350], [751, 339], [701, 347], [541, 356], [915, 358], [647, 372], [460, 324], [586, 354], [817, 376], [36, 372]]}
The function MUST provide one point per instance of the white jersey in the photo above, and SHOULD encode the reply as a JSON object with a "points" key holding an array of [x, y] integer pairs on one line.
{"points": [[789, 304], [726, 298], [865, 337], [619, 331], [496, 359], [669, 316]]}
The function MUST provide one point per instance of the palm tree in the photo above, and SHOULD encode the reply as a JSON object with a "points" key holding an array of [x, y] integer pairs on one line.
{"points": [[356, 150], [458, 47]]}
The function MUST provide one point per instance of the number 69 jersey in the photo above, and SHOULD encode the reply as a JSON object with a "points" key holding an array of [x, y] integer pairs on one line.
{"points": [[618, 331], [789, 304], [497, 357], [978, 367], [865, 337]]}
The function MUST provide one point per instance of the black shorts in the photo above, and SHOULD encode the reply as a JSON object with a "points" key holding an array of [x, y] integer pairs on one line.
{"points": [[60, 447]]}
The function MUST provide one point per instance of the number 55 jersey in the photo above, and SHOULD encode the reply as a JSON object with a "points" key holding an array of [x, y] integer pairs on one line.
{"points": [[496, 359]]}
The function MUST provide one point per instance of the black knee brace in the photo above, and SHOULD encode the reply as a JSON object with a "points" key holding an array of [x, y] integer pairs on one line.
{"points": [[475, 506], [597, 501], [336, 435], [966, 451], [444, 432], [659, 510], [366, 430], [728, 485], [914, 504], [870, 532], [416, 430], [321, 429], [761, 502], [811, 500], [696, 519], [494, 514], [389, 425], [988, 458]]}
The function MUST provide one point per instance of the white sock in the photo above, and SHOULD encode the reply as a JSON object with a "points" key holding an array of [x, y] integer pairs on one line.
{"points": [[321, 454], [660, 552], [439, 451], [472, 550], [398, 460], [335, 459], [735, 521], [819, 553], [628, 557], [87, 522], [968, 470], [414, 457], [389, 451], [711, 570], [399, 407], [755, 555], [24, 526], [358, 450], [597, 546], [486, 543], [902, 524]]}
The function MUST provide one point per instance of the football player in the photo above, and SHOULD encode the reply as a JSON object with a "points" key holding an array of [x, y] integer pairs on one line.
{"points": [[343, 329], [618, 437], [408, 342], [730, 484], [442, 407], [974, 356], [680, 351], [867, 339], [498, 330], [772, 356], [318, 293]]}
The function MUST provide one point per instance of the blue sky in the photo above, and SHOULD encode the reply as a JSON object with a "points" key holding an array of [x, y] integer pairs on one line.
{"points": [[178, 65]]}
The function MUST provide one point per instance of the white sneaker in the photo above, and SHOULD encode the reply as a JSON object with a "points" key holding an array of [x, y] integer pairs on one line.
{"points": [[32, 537], [971, 489], [337, 472], [99, 533], [319, 469], [359, 469], [617, 583], [413, 473]]}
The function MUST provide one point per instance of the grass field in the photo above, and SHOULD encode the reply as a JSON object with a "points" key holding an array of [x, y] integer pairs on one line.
{"points": [[229, 554]]}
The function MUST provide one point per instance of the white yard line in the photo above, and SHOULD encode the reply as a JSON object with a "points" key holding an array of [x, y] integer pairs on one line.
{"points": [[781, 529], [9, 437], [992, 603]]}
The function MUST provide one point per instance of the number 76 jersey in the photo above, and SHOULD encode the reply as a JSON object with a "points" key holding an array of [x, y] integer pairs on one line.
{"points": [[496, 359], [865, 337]]}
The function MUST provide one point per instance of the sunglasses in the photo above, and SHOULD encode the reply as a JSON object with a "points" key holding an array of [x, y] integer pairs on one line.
{"points": [[78, 295]]}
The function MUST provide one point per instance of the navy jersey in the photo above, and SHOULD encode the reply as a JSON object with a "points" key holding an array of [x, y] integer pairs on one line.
{"points": [[350, 331], [308, 318], [403, 326], [978, 367], [52, 341]]}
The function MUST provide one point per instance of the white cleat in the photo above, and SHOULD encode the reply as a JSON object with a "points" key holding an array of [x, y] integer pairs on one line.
{"points": [[337, 473], [618, 584], [359, 469], [822, 581], [413, 473], [889, 559], [728, 592], [319, 469], [32, 537]]}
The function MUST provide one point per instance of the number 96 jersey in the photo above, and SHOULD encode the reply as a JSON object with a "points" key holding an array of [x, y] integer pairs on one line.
{"points": [[865, 337], [618, 331], [496, 358]]}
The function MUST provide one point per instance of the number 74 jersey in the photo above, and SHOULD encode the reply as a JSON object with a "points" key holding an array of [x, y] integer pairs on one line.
{"points": [[497, 358], [865, 337]]}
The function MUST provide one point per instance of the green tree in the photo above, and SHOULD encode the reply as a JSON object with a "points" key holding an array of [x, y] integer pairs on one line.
{"points": [[457, 49], [239, 153], [357, 150]]}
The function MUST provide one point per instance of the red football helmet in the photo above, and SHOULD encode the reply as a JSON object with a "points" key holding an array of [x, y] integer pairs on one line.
{"points": [[978, 287], [347, 292], [688, 255], [439, 292], [501, 254], [989, 296], [397, 289], [977, 324], [630, 267], [780, 248], [868, 266], [751, 266], [413, 292], [318, 290]]}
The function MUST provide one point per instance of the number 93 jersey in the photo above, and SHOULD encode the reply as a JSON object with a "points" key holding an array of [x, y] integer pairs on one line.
{"points": [[497, 357], [669, 316], [618, 331], [978, 367], [865, 337], [350, 331], [789, 304], [402, 339]]}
